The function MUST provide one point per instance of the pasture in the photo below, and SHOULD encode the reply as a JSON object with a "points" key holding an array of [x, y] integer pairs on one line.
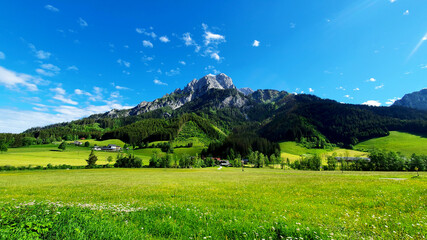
{"points": [[42, 155], [402, 142], [212, 204], [293, 151]]}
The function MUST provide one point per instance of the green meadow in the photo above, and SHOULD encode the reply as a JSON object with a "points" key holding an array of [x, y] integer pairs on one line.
{"points": [[211, 204], [294, 151], [42, 155], [404, 143]]}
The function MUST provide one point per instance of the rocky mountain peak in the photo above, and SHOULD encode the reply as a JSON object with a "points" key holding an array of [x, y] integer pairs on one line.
{"points": [[210, 81], [417, 100]]}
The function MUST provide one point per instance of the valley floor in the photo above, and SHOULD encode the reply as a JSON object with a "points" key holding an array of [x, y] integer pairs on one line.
{"points": [[212, 204]]}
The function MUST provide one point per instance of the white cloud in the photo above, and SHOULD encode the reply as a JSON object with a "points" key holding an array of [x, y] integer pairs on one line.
{"points": [[81, 92], [356, 89], [215, 56], [164, 39], [44, 72], [41, 109], [405, 13], [146, 43], [97, 89], [173, 72], [392, 1], [73, 68], [2, 56], [51, 8], [65, 100], [292, 25], [211, 68], [146, 58], [115, 95], [188, 41], [123, 63], [58, 90], [96, 95], [182, 63], [372, 103], [391, 101], [341, 88], [255, 43], [59, 95], [372, 80], [158, 82], [48, 69], [348, 96], [424, 66], [40, 54], [82, 22], [12, 79], [121, 88], [211, 37], [311, 90], [379, 87], [143, 31]]}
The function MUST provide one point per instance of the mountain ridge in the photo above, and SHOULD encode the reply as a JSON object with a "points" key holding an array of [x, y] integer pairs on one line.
{"points": [[416, 100], [178, 98]]}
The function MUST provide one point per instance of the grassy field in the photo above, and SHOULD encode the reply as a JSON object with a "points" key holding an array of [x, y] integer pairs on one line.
{"points": [[398, 142], [41, 155], [294, 151], [212, 204]]}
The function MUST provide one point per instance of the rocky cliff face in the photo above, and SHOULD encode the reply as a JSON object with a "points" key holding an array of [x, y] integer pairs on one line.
{"points": [[178, 98], [417, 100], [246, 91]]}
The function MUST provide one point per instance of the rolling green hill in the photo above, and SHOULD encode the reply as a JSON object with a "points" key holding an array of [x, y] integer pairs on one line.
{"points": [[94, 142], [397, 141]]}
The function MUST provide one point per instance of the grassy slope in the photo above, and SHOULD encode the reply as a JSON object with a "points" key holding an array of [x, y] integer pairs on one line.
{"points": [[397, 141], [93, 142], [255, 204], [293, 151]]}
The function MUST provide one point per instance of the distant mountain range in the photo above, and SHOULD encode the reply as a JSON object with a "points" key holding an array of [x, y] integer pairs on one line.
{"points": [[417, 100], [219, 109]]}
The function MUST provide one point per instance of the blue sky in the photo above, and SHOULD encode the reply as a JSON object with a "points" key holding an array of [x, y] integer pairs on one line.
{"points": [[63, 60]]}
